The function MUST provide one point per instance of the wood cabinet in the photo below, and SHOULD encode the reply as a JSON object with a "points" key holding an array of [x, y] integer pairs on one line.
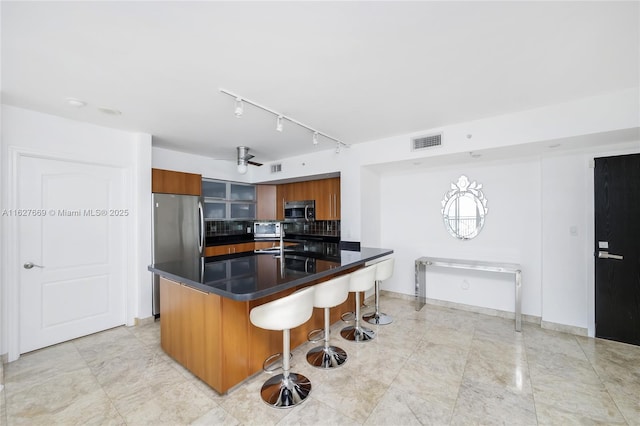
{"points": [[326, 192], [281, 197], [172, 182], [266, 207], [228, 249]]}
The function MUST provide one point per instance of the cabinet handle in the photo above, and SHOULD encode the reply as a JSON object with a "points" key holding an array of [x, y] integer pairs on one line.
{"points": [[335, 206], [330, 207]]}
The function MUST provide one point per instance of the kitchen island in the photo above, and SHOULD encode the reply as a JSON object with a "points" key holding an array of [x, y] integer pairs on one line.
{"points": [[205, 305]]}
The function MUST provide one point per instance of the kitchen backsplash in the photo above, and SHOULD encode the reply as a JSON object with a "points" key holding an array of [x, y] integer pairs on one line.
{"points": [[228, 227], [237, 227], [319, 227]]}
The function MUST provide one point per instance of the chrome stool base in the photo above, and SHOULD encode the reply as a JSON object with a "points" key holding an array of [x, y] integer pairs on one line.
{"points": [[357, 334], [377, 318], [281, 392], [323, 357]]}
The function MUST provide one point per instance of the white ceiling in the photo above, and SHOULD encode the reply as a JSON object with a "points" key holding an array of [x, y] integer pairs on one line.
{"points": [[358, 71]]}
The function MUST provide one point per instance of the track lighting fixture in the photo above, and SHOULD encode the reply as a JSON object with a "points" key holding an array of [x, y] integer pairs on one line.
{"points": [[239, 110]]}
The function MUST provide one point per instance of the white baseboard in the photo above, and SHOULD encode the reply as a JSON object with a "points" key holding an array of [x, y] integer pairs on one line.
{"points": [[532, 319]]}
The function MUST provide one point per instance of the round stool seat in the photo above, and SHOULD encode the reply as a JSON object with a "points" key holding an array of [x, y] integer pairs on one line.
{"points": [[287, 389], [327, 295], [331, 293], [284, 313], [360, 280]]}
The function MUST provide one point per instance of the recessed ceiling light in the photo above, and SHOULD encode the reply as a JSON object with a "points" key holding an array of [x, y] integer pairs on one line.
{"points": [[75, 102], [109, 111], [416, 163], [475, 155], [554, 145]]}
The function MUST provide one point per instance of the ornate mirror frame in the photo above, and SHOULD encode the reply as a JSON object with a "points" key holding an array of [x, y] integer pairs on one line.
{"points": [[464, 208]]}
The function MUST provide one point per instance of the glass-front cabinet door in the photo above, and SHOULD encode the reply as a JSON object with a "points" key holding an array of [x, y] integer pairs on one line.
{"points": [[215, 210], [228, 200], [240, 192], [242, 211], [214, 189]]}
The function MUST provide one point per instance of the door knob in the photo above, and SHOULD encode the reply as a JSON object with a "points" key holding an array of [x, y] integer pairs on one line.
{"points": [[30, 265]]}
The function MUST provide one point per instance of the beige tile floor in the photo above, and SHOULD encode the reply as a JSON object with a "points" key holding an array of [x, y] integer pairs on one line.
{"points": [[435, 366]]}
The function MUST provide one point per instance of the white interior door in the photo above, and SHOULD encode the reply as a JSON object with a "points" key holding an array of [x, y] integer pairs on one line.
{"points": [[72, 227]]}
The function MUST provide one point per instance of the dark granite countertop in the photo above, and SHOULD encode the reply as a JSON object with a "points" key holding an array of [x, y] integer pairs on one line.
{"points": [[250, 276]]}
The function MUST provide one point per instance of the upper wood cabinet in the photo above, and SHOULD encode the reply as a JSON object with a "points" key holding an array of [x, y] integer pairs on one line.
{"points": [[172, 182], [326, 192], [281, 197], [266, 202]]}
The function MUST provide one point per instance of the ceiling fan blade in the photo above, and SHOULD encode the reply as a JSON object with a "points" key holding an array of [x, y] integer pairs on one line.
{"points": [[253, 163]]}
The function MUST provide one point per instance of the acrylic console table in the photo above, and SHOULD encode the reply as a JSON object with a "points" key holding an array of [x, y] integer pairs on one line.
{"points": [[509, 268]]}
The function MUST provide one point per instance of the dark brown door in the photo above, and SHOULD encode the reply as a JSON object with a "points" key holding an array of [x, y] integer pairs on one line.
{"points": [[617, 248]]}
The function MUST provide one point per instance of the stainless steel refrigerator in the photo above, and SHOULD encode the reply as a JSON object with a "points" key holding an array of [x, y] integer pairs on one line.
{"points": [[178, 233]]}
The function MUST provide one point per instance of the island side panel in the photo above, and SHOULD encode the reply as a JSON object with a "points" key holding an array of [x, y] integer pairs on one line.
{"points": [[234, 342], [170, 322], [213, 333], [190, 330]]}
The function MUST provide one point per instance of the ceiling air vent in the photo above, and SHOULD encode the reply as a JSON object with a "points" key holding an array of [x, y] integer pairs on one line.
{"points": [[424, 142], [276, 168]]}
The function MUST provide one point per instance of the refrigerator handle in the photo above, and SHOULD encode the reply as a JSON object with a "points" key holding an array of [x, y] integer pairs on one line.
{"points": [[201, 240]]}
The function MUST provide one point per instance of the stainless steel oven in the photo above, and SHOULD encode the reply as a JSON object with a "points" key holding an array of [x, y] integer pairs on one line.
{"points": [[266, 230], [300, 211]]}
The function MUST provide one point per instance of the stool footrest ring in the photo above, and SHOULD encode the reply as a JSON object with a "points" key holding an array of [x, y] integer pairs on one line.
{"points": [[274, 362], [348, 316], [316, 335]]}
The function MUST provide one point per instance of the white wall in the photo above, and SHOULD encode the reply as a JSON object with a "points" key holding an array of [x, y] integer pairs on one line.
{"points": [[540, 215], [413, 227], [47, 134]]}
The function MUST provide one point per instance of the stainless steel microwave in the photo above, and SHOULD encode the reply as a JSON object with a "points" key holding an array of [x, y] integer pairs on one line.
{"points": [[300, 211], [266, 230]]}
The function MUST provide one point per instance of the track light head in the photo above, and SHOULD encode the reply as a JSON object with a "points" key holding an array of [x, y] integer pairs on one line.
{"points": [[279, 123], [315, 138], [337, 148], [239, 108]]}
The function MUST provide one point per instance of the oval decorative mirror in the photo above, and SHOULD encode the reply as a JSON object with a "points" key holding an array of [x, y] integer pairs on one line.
{"points": [[464, 208]]}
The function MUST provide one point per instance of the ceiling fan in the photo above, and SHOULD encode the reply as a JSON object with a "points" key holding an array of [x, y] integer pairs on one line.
{"points": [[244, 159]]}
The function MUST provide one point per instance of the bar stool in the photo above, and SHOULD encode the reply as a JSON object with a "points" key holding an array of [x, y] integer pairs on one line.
{"points": [[384, 270], [287, 389], [327, 295], [360, 280]]}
